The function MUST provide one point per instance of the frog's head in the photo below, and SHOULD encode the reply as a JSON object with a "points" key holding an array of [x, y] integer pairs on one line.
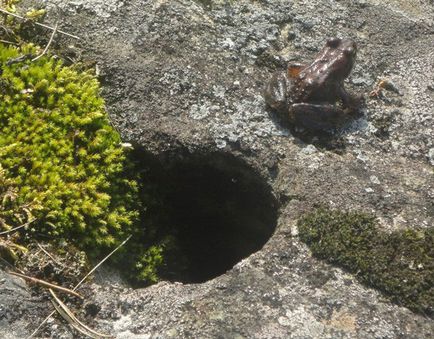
{"points": [[332, 65], [337, 58]]}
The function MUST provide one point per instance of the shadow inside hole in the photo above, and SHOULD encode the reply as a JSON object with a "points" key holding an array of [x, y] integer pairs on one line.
{"points": [[214, 209]]}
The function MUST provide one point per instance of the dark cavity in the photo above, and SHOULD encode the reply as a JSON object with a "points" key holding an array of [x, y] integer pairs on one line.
{"points": [[214, 209]]}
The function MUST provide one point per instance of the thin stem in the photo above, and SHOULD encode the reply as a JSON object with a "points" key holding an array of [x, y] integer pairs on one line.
{"points": [[48, 45], [18, 227], [78, 285], [38, 24]]}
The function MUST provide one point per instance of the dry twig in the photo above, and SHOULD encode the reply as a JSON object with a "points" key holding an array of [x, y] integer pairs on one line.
{"points": [[47, 284], [7, 42], [47, 253], [78, 285], [66, 313], [7, 263], [18, 227], [48, 45], [101, 262], [38, 24]]}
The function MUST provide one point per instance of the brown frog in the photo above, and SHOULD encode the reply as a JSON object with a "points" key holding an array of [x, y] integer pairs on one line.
{"points": [[307, 94]]}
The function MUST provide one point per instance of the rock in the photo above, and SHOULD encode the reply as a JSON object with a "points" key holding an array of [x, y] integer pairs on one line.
{"points": [[374, 179], [185, 78], [17, 307], [431, 156]]}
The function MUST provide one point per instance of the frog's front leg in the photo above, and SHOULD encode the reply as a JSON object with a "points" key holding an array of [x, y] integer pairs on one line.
{"points": [[316, 116], [349, 101]]}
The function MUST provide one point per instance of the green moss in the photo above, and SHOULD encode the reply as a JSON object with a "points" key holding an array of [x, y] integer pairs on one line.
{"points": [[400, 264], [12, 214], [59, 152]]}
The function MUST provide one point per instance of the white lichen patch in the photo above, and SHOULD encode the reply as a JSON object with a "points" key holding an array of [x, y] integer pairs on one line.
{"points": [[101, 8]]}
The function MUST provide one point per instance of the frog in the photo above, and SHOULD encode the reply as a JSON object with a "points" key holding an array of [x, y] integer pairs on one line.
{"points": [[312, 96]]}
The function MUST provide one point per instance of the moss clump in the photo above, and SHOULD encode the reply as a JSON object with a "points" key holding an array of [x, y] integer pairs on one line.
{"points": [[401, 264], [62, 162], [12, 213]]}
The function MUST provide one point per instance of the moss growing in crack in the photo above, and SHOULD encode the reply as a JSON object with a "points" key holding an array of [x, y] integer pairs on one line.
{"points": [[59, 153], [400, 264]]}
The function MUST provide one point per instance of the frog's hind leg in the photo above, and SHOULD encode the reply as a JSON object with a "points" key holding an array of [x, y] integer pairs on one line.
{"points": [[317, 116], [276, 92]]}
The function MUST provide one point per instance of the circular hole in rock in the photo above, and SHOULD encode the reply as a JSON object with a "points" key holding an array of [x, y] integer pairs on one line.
{"points": [[214, 207]]}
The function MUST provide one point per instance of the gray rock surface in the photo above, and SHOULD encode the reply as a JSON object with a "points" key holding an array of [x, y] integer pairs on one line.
{"points": [[16, 301], [188, 75]]}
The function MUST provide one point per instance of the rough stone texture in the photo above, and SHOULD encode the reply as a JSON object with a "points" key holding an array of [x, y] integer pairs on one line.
{"points": [[188, 75], [16, 301]]}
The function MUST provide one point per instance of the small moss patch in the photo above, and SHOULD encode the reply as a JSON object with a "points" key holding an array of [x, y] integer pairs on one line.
{"points": [[400, 264]]}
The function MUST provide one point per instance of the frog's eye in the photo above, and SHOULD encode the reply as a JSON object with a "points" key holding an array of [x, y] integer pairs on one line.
{"points": [[350, 51], [333, 42]]}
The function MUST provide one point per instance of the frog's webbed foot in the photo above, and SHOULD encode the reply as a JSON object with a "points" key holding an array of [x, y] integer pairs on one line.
{"points": [[317, 116]]}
